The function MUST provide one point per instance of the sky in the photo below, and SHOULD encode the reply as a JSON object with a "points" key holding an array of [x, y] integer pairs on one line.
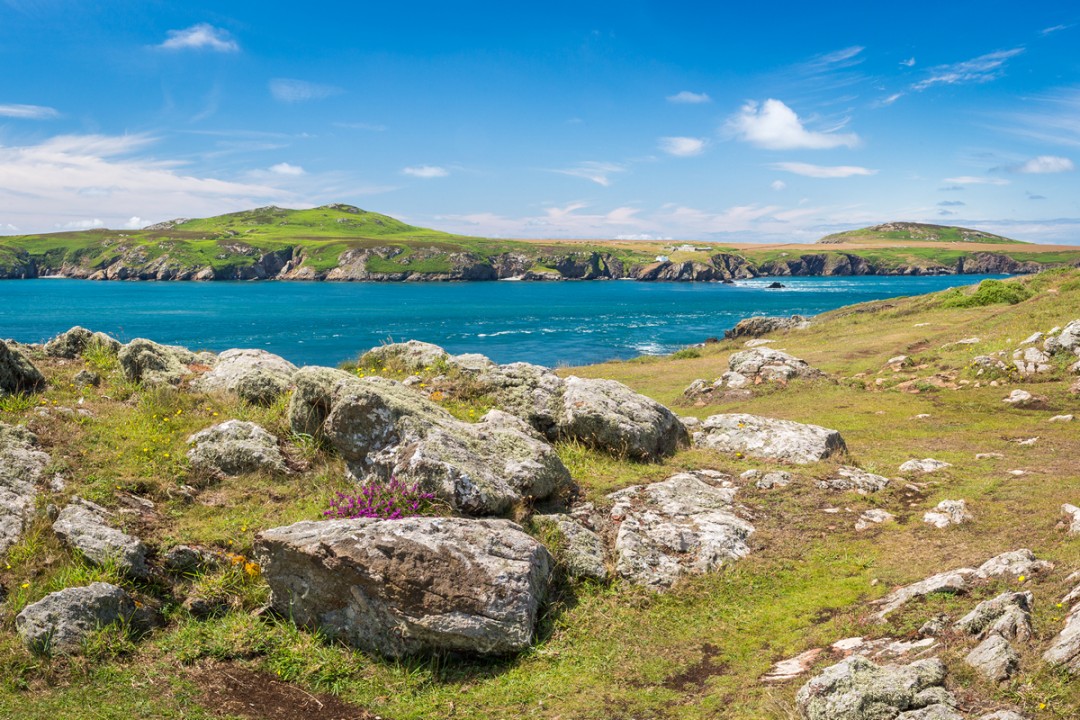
{"points": [[758, 122]]}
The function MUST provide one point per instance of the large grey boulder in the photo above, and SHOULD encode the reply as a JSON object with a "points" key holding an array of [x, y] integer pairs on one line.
{"points": [[83, 526], [255, 375], [410, 356], [410, 586], [235, 447], [532, 392], [1064, 649], [686, 524], [608, 415], [22, 466], [147, 362], [769, 438], [17, 373], [60, 621], [74, 342], [858, 689], [994, 658], [581, 550]]}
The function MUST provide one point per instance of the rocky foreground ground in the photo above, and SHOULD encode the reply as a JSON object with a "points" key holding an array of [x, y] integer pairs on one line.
{"points": [[867, 516]]}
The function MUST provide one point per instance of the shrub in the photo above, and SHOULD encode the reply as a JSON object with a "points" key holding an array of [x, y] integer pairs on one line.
{"points": [[389, 501], [687, 353], [989, 292]]}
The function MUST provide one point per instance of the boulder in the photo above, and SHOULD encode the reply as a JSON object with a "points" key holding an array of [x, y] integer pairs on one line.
{"points": [[531, 392], [757, 326], [937, 711], [410, 586], [768, 438], [610, 416], [22, 467], [17, 373], [1072, 518], [1064, 649], [1015, 562], [87, 378], [1067, 341], [82, 526], [410, 356], [313, 397], [1031, 361], [580, 549], [60, 621], [858, 689], [686, 524], [1022, 398], [256, 376], [855, 479], [73, 343], [235, 447], [147, 362], [924, 466], [994, 659], [1007, 615], [948, 512], [764, 364]]}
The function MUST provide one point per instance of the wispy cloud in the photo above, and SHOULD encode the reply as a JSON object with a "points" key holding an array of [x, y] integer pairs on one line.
{"points": [[1045, 164], [682, 146], [295, 91], [976, 180], [426, 172], [910, 62], [1054, 29], [686, 97], [822, 171], [597, 172], [977, 70], [831, 61], [774, 126], [1054, 118], [202, 36], [952, 203], [891, 99], [28, 112], [778, 185], [285, 168]]}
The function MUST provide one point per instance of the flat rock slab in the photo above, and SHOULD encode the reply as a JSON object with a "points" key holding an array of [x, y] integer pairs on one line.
{"points": [[769, 438], [994, 659], [83, 526], [22, 467], [924, 466], [582, 550], [411, 586], [60, 621], [1064, 649], [951, 581], [235, 447], [856, 480], [858, 689], [683, 525], [256, 376]]}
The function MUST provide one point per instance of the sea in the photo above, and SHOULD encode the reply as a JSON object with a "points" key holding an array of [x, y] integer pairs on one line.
{"points": [[323, 323]]}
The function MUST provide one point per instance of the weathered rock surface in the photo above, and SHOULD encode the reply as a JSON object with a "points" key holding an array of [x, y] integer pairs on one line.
{"points": [[1022, 398], [581, 549], [757, 326], [762, 437], [83, 526], [255, 375], [532, 392], [1008, 615], [873, 516], [235, 447], [764, 364], [924, 466], [858, 689], [1072, 518], [950, 581], [22, 467], [74, 342], [1031, 361], [1013, 562], [685, 524], [608, 415], [948, 512], [313, 397], [17, 373], [403, 587], [1064, 649], [1067, 341], [149, 363], [409, 356], [855, 479], [60, 621], [994, 659]]}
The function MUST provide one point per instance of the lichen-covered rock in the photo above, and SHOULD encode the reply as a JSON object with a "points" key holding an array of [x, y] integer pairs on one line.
{"points": [[764, 364], [1072, 518], [1064, 649], [608, 415], [22, 466], [313, 397], [83, 525], [938, 711], [760, 325], [410, 356], [255, 375], [581, 549], [1031, 361], [149, 363], [855, 479], [60, 621], [858, 689], [410, 586], [683, 525], [1067, 341], [994, 658], [1013, 562], [950, 581], [235, 447], [531, 392], [948, 512], [924, 466], [74, 342], [1008, 615], [17, 373], [769, 438]]}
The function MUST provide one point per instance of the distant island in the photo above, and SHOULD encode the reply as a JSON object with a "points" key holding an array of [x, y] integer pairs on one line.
{"points": [[339, 242]]}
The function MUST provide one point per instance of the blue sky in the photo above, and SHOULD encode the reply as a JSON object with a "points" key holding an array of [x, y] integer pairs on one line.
{"points": [[773, 122]]}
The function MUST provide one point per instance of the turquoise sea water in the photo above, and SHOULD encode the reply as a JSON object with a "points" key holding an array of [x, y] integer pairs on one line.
{"points": [[571, 323]]}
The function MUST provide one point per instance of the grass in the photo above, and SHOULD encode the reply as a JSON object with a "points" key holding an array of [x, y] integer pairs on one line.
{"points": [[612, 651]]}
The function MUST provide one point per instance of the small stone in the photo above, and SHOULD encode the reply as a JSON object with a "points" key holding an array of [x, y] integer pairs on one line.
{"points": [[773, 480], [83, 526], [924, 466], [1020, 398], [87, 378], [1072, 517], [792, 668], [872, 517], [60, 621], [1061, 418], [989, 456], [948, 512]]}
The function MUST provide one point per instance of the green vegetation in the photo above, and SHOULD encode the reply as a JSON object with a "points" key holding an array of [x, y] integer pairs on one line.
{"points": [[988, 292], [916, 232]]}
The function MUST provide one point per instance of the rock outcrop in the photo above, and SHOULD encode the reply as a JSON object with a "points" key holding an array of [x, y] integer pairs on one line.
{"points": [[759, 325], [22, 467], [60, 621], [147, 362], [84, 526], [235, 447], [858, 689], [856, 480], [769, 438], [256, 376], [410, 586], [17, 373], [74, 342], [581, 550]]}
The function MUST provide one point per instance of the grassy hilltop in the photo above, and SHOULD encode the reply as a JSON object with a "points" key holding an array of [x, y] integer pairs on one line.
{"points": [[603, 651], [342, 242]]}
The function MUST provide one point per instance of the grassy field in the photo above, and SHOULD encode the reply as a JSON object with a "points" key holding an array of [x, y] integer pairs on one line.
{"points": [[603, 651]]}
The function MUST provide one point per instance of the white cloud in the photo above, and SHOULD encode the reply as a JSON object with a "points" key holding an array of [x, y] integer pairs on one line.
{"points": [[973, 180], [88, 224], [822, 171], [285, 168], [1054, 29], [689, 98], [778, 185], [203, 36], [1045, 164], [597, 172], [294, 91], [426, 171], [28, 112], [134, 223], [8, 228], [1054, 118], [774, 126], [910, 62], [892, 98], [69, 178], [682, 146], [978, 70]]}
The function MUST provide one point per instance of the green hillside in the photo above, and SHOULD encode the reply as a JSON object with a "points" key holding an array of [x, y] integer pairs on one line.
{"points": [[915, 232]]}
